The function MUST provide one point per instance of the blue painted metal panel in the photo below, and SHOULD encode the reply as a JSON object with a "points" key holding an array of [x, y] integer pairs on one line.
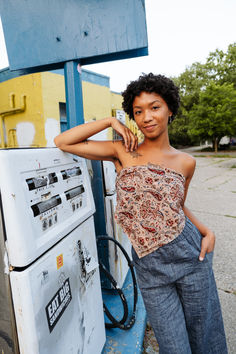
{"points": [[63, 125], [39, 32], [95, 78], [88, 76]]}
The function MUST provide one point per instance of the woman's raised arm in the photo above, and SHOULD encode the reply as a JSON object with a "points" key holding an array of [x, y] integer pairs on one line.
{"points": [[74, 140]]}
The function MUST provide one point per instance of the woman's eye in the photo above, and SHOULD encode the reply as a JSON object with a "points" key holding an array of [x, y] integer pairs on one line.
{"points": [[137, 113], [155, 108]]}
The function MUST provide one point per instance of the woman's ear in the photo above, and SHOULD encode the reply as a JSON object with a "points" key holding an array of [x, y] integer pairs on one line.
{"points": [[170, 113], [170, 119]]}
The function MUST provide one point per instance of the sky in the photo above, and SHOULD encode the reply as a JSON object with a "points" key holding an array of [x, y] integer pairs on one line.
{"points": [[179, 34]]}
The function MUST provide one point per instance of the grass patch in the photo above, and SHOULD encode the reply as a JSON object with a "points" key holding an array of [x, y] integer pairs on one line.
{"points": [[215, 155], [230, 216], [233, 191], [233, 166], [225, 155], [201, 155]]}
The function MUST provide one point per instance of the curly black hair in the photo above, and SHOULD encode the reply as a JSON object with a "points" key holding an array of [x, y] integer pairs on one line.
{"points": [[152, 83]]}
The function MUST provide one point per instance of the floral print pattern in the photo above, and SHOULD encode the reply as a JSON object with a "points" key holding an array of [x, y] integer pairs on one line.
{"points": [[149, 205]]}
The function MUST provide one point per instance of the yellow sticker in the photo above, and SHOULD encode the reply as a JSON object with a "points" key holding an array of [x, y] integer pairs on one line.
{"points": [[59, 261]]}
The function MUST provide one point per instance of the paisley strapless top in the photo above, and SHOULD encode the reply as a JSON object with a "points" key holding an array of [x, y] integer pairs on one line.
{"points": [[149, 205]]}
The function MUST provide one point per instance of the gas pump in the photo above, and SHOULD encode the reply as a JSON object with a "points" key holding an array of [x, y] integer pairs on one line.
{"points": [[48, 244]]}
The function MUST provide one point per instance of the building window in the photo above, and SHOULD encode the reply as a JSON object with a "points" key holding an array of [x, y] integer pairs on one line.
{"points": [[63, 118], [120, 115]]}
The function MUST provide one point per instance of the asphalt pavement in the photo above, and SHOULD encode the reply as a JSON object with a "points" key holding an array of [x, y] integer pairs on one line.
{"points": [[212, 199]]}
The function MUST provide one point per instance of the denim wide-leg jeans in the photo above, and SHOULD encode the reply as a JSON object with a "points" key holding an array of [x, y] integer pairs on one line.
{"points": [[180, 296]]}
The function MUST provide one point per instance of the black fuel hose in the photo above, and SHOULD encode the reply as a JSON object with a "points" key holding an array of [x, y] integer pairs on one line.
{"points": [[114, 322]]}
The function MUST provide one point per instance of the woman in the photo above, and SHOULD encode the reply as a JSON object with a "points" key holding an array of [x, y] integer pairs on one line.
{"points": [[171, 248]]}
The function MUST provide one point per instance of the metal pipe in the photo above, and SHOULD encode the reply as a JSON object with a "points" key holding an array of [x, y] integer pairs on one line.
{"points": [[9, 112]]}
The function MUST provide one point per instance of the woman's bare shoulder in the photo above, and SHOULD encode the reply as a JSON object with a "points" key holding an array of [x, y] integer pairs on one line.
{"points": [[188, 162]]}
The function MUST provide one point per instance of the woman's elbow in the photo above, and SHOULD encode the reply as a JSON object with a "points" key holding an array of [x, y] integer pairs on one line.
{"points": [[57, 141]]}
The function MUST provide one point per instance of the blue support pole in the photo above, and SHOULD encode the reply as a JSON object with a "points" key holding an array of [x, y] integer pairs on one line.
{"points": [[75, 116], [74, 97]]}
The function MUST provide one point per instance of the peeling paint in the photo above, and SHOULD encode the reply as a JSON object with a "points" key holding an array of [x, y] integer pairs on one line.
{"points": [[25, 133], [6, 263], [52, 129]]}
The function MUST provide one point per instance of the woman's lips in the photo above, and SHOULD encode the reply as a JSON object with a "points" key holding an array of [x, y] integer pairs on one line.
{"points": [[150, 127]]}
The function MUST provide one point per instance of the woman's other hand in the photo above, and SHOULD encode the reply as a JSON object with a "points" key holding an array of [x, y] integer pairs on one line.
{"points": [[208, 244], [130, 140]]}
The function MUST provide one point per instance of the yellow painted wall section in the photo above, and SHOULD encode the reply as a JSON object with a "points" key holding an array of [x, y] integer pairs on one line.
{"points": [[97, 104], [40, 122], [116, 100], [22, 128], [96, 101], [53, 92]]}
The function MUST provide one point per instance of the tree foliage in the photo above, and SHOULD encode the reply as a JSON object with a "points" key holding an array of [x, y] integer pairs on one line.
{"points": [[216, 75], [215, 114]]}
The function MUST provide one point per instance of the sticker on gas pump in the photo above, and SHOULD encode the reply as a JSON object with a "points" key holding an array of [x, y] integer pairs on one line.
{"points": [[58, 304], [59, 261]]}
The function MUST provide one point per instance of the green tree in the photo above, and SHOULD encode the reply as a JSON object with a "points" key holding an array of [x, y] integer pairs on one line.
{"points": [[215, 114], [219, 68], [190, 84]]}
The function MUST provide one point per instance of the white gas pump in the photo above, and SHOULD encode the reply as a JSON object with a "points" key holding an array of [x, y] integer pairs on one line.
{"points": [[48, 254], [117, 261]]}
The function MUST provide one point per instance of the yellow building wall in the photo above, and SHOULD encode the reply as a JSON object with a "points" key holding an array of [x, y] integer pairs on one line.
{"points": [[21, 127], [53, 92], [96, 102], [96, 98], [38, 122], [116, 100]]}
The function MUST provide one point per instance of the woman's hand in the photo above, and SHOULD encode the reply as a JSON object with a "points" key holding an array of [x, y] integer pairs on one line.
{"points": [[130, 140], [208, 244]]}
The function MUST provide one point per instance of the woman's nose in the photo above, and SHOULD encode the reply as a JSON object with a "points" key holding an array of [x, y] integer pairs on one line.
{"points": [[147, 116]]}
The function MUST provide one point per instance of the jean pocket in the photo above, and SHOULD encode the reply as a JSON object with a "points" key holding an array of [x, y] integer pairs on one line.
{"points": [[194, 241], [209, 256], [195, 238]]}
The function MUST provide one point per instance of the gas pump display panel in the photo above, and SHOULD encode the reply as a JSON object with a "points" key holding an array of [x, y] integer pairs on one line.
{"points": [[45, 194]]}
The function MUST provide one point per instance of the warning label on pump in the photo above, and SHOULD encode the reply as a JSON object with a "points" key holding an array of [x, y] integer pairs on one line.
{"points": [[58, 304]]}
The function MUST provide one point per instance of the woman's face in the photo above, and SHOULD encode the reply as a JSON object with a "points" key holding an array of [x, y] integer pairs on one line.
{"points": [[151, 114]]}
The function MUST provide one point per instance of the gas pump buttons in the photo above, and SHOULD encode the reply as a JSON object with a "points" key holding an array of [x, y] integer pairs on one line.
{"points": [[48, 202]]}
